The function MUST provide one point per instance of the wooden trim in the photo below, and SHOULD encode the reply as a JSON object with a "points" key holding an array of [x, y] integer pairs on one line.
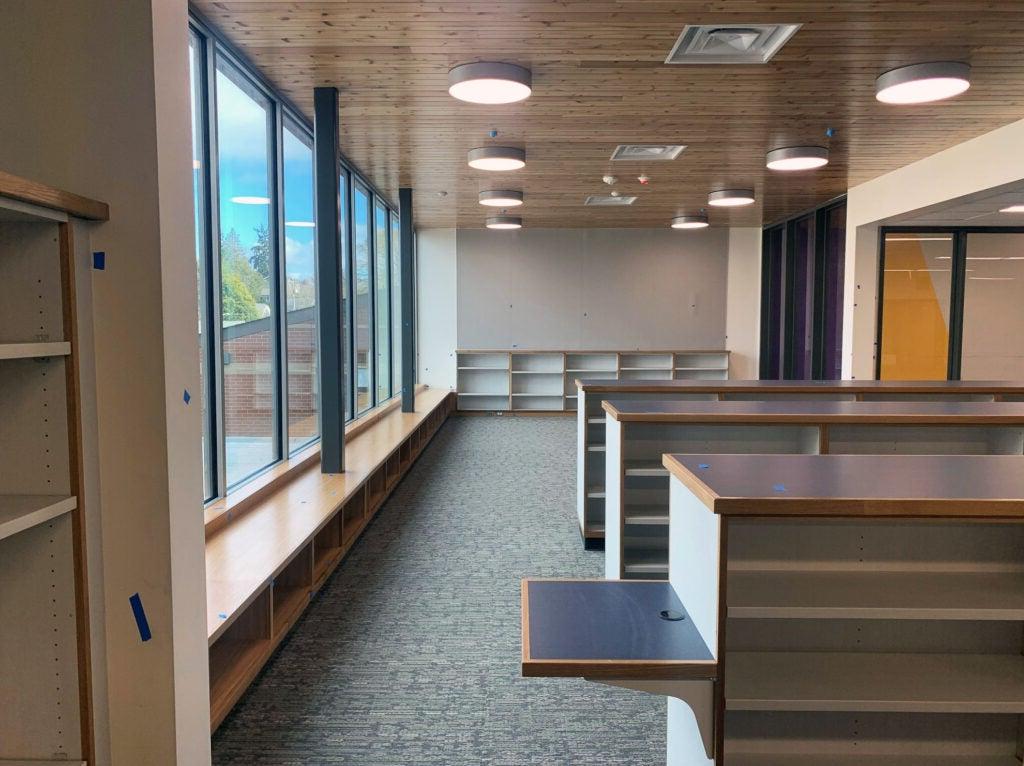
{"points": [[36, 193], [592, 351], [69, 308], [696, 386], [890, 507], [723, 655], [227, 509]]}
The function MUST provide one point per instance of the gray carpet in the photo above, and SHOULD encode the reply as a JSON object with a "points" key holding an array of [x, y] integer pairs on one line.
{"points": [[410, 654]]}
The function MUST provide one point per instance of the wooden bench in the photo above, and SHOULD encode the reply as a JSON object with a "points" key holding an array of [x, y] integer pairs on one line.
{"points": [[638, 433], [263, 567], [590, 393]]}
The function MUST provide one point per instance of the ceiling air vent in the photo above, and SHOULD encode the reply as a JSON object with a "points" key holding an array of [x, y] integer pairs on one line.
{"points": [[730, 43], [607, 200], [647, 151]]}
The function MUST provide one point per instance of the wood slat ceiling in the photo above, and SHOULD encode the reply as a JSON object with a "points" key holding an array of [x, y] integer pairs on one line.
{"points": [[599, 81]]}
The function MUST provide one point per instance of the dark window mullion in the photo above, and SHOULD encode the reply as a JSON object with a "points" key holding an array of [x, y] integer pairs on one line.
{"points": [[818, 307], [280, 281], [956, 305]]}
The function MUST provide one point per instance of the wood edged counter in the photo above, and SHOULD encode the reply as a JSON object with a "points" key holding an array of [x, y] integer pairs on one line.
{"points": [[639, 433], [869, 607], [592, 392]]}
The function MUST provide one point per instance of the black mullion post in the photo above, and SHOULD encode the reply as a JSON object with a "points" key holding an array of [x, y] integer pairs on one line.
{"points": [[279, 284], [764, 365], [879, 303], [405, 237], [818, 308], [218, 450], [328, 265], [788, 290], [349, 330], [956, 305]]}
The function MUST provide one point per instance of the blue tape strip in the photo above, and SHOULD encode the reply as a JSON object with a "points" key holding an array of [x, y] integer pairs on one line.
{"points": [[779, 487], [187, 396], [703, 465], [140, 617], [99, 260]]}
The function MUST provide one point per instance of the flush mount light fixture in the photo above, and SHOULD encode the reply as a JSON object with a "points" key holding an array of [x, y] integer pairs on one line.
{"points": [[797, 158], [504, 222], [1013, 209], [690, 222], [922, 83], [300, 224], [245, 200], [490, 82], [731, 197], [501, 198], [497, 158]]}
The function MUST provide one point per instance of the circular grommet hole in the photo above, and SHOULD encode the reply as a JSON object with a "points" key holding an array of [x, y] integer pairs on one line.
{"points": [[671, 615]]}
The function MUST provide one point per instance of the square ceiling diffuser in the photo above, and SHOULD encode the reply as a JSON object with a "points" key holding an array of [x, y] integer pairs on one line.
{"points": [[647, 152], [730, 43], [607, 200]]}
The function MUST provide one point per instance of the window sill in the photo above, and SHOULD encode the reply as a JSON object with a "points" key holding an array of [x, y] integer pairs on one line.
{"points": [[222, 512]]}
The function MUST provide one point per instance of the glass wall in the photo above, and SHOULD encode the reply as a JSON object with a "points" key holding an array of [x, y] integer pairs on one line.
{"points": [[993, 324], [382, 299], [396, 307], [300, 289], [362, 309], [252, 160], [802, 266], [917, 280]]}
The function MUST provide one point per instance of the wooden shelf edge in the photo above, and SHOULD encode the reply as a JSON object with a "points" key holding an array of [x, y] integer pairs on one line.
{"points": [[50, 197], [21, 512], [34, 350]]}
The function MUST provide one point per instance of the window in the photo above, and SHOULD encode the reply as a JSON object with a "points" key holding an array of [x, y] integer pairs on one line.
{"points": [[396, 306], [382, 300], [802, 266], [300, 290], [951, 303], [196, 62], [362, 310], [258, 335]]}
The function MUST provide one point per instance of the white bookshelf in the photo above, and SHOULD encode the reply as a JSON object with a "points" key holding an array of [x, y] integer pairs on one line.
{"points": [[499, 380], [43, 629]]}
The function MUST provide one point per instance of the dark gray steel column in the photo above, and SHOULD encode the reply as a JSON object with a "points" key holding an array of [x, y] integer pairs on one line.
{"points": [[408, 320], [328, 271]]}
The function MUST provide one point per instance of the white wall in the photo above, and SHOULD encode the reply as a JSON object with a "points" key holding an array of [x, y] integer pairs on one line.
{"points": [[989, 161], [743, 303], [592, 288], [436, 330], [95, 101]]}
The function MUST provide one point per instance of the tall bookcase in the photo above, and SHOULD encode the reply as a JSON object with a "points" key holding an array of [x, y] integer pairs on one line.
{"points": [[44, 635], [545, 381]]}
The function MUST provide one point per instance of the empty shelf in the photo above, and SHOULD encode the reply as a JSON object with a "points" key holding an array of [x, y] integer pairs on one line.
{"points": [[537, 395], [874, 682], [581, 370], [596, 492], [661, 369], [502, 369], [499, 394], [652, 515], [536, 372], [596, 448], [595, 420], [33, 350], [645, 562], [20, 512], [876, 595], [642, 469]]}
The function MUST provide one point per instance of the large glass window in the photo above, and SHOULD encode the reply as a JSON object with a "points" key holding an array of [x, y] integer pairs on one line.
{"points": [[346, 288], [244, 129], [362, 308], [300, 290], [832, 287], [382, 300], [195, 70], [396, 306], [993, 322], [800, 298], [917, 280]]}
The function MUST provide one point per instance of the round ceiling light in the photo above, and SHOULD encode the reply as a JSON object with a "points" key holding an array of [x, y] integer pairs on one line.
{"points": [[489, 82], [497, 158], [690, 222], [250, 200], [501, 198], [731, 197], [797, 158], [921, 83], [504, 222]]}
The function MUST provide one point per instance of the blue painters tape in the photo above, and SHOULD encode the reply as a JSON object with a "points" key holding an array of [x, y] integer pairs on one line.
{"points": [[187, 397], [222, 616], [99, 260], [140, 617], [703, 465], [779, 487]]}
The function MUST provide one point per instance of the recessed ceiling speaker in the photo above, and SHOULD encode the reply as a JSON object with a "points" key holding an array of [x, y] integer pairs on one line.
{"points": [[497, 158], [501, 198], [923, 83], [797, 158], [490, 82], [731, 197]]}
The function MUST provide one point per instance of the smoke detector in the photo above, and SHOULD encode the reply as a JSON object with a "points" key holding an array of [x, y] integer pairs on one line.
{"points": [[730, 43], [608, 179], [647, 152]]}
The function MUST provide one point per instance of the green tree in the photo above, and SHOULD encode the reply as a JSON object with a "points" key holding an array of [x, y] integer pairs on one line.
{"points": [[260, 258], [241, 285]]}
